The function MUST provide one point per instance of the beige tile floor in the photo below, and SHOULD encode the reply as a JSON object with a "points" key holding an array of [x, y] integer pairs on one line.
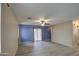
{"points": [[42, 48]]}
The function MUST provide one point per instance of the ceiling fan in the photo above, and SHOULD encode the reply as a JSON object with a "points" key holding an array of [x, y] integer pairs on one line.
{"points": [[44, 22], [41, 21]]}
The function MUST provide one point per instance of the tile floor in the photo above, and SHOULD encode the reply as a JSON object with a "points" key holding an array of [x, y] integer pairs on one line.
{"points": [[42, 48]]}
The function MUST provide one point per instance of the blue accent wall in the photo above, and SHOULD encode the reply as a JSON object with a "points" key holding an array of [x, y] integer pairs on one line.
{"points": [[27, 34]]}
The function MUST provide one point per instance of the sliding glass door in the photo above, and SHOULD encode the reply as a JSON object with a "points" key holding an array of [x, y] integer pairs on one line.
{"points": [[37, 34]]}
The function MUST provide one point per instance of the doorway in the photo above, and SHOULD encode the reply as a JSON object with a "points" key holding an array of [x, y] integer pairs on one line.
{"points": [[37, 34]]}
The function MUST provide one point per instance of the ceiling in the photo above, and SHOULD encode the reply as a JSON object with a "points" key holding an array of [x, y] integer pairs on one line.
{"points": [[54, 12]]}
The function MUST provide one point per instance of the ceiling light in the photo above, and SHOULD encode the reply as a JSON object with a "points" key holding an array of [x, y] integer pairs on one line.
{"points": [[42, 24], [76, 24], [43, 21]]}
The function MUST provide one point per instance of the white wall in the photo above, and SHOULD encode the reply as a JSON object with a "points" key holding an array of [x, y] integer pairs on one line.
{"points": [[9, 27], [0, 28], [62, 33]]}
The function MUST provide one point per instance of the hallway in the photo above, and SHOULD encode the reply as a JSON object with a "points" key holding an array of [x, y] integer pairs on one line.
{"points": [[45, 49]]}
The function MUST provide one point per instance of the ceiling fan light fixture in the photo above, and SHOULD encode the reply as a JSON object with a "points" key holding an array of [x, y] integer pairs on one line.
{"points": [[43, 21], [43, 24]]}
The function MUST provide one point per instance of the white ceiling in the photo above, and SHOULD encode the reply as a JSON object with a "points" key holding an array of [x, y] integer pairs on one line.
{"points": [[54, 12]]}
